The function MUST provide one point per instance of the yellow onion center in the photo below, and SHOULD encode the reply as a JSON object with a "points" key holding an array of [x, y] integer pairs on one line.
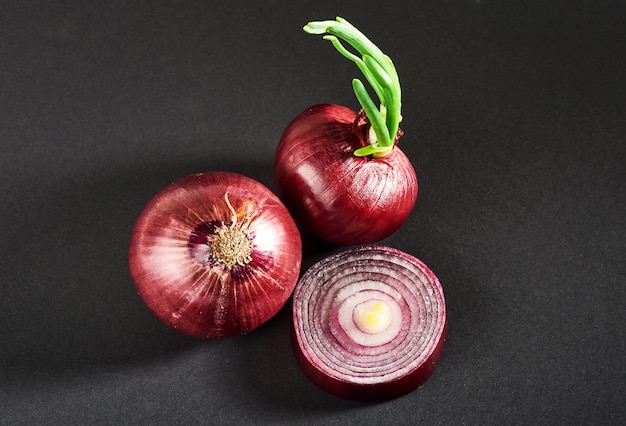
{"points": [[372, 316]]}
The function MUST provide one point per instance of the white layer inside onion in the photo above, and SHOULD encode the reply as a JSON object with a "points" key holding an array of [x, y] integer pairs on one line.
{"points": [[369, 323]]}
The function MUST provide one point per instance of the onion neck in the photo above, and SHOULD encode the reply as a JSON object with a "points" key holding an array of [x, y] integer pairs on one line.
{"points": [[367, 137], [380, 73]]}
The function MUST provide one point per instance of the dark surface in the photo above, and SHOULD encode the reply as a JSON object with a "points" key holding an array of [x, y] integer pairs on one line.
{"points": [[514, 118]]}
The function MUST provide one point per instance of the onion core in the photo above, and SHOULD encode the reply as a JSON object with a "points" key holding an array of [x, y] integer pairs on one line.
{"points": [[369, 323]]}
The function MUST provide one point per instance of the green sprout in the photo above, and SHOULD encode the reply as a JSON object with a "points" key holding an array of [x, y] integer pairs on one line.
{"points": [[380, 73]]}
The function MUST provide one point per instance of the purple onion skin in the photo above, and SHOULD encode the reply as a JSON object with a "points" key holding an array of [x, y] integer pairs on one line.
{"points": [[378, 392], [315, 366], [341, 198], [184, 286]]}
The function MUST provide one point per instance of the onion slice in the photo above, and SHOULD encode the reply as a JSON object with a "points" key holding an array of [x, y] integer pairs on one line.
{"points": [[369, 323]]}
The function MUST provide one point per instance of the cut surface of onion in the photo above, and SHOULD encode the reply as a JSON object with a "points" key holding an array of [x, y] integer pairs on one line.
{"points": [[215, 254], [369, 323]]}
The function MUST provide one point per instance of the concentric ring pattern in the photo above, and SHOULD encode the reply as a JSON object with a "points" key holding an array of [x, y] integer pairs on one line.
{"points": [[344, 360]]}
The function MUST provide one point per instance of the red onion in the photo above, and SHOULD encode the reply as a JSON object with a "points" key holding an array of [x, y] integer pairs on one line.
{"points": [[342, 198], [215, 254], [369, 323], [339, 172]]}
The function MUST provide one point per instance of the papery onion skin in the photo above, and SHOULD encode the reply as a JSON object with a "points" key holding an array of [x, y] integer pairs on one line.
{"points": [[173, 269], [342, 198], [346, 369]]}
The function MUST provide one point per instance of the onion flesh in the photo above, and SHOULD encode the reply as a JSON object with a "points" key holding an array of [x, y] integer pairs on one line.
{"points": [[369, 323], [215, 254]]}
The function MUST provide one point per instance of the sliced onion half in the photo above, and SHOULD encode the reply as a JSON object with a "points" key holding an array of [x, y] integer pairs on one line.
{"points": [[369, 323]]}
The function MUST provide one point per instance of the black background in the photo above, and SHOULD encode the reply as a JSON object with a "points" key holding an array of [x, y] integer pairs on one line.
{"points": [[514, 118]]}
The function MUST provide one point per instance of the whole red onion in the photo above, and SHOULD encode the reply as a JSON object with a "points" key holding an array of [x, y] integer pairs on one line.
{"points": [[215, 254], [369, 323], [342, 198]]}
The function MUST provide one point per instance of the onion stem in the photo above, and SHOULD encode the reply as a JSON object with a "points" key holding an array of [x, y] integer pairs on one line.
{"points": [[380, 73]]}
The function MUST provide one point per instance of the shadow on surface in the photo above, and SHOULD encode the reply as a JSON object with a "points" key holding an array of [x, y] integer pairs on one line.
{"points": [[68, 301], [266, 376]]}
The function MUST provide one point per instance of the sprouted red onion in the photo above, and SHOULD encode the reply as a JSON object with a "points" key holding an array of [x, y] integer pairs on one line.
{"points": [[340, 172], [369, 323], [215, 255]]}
